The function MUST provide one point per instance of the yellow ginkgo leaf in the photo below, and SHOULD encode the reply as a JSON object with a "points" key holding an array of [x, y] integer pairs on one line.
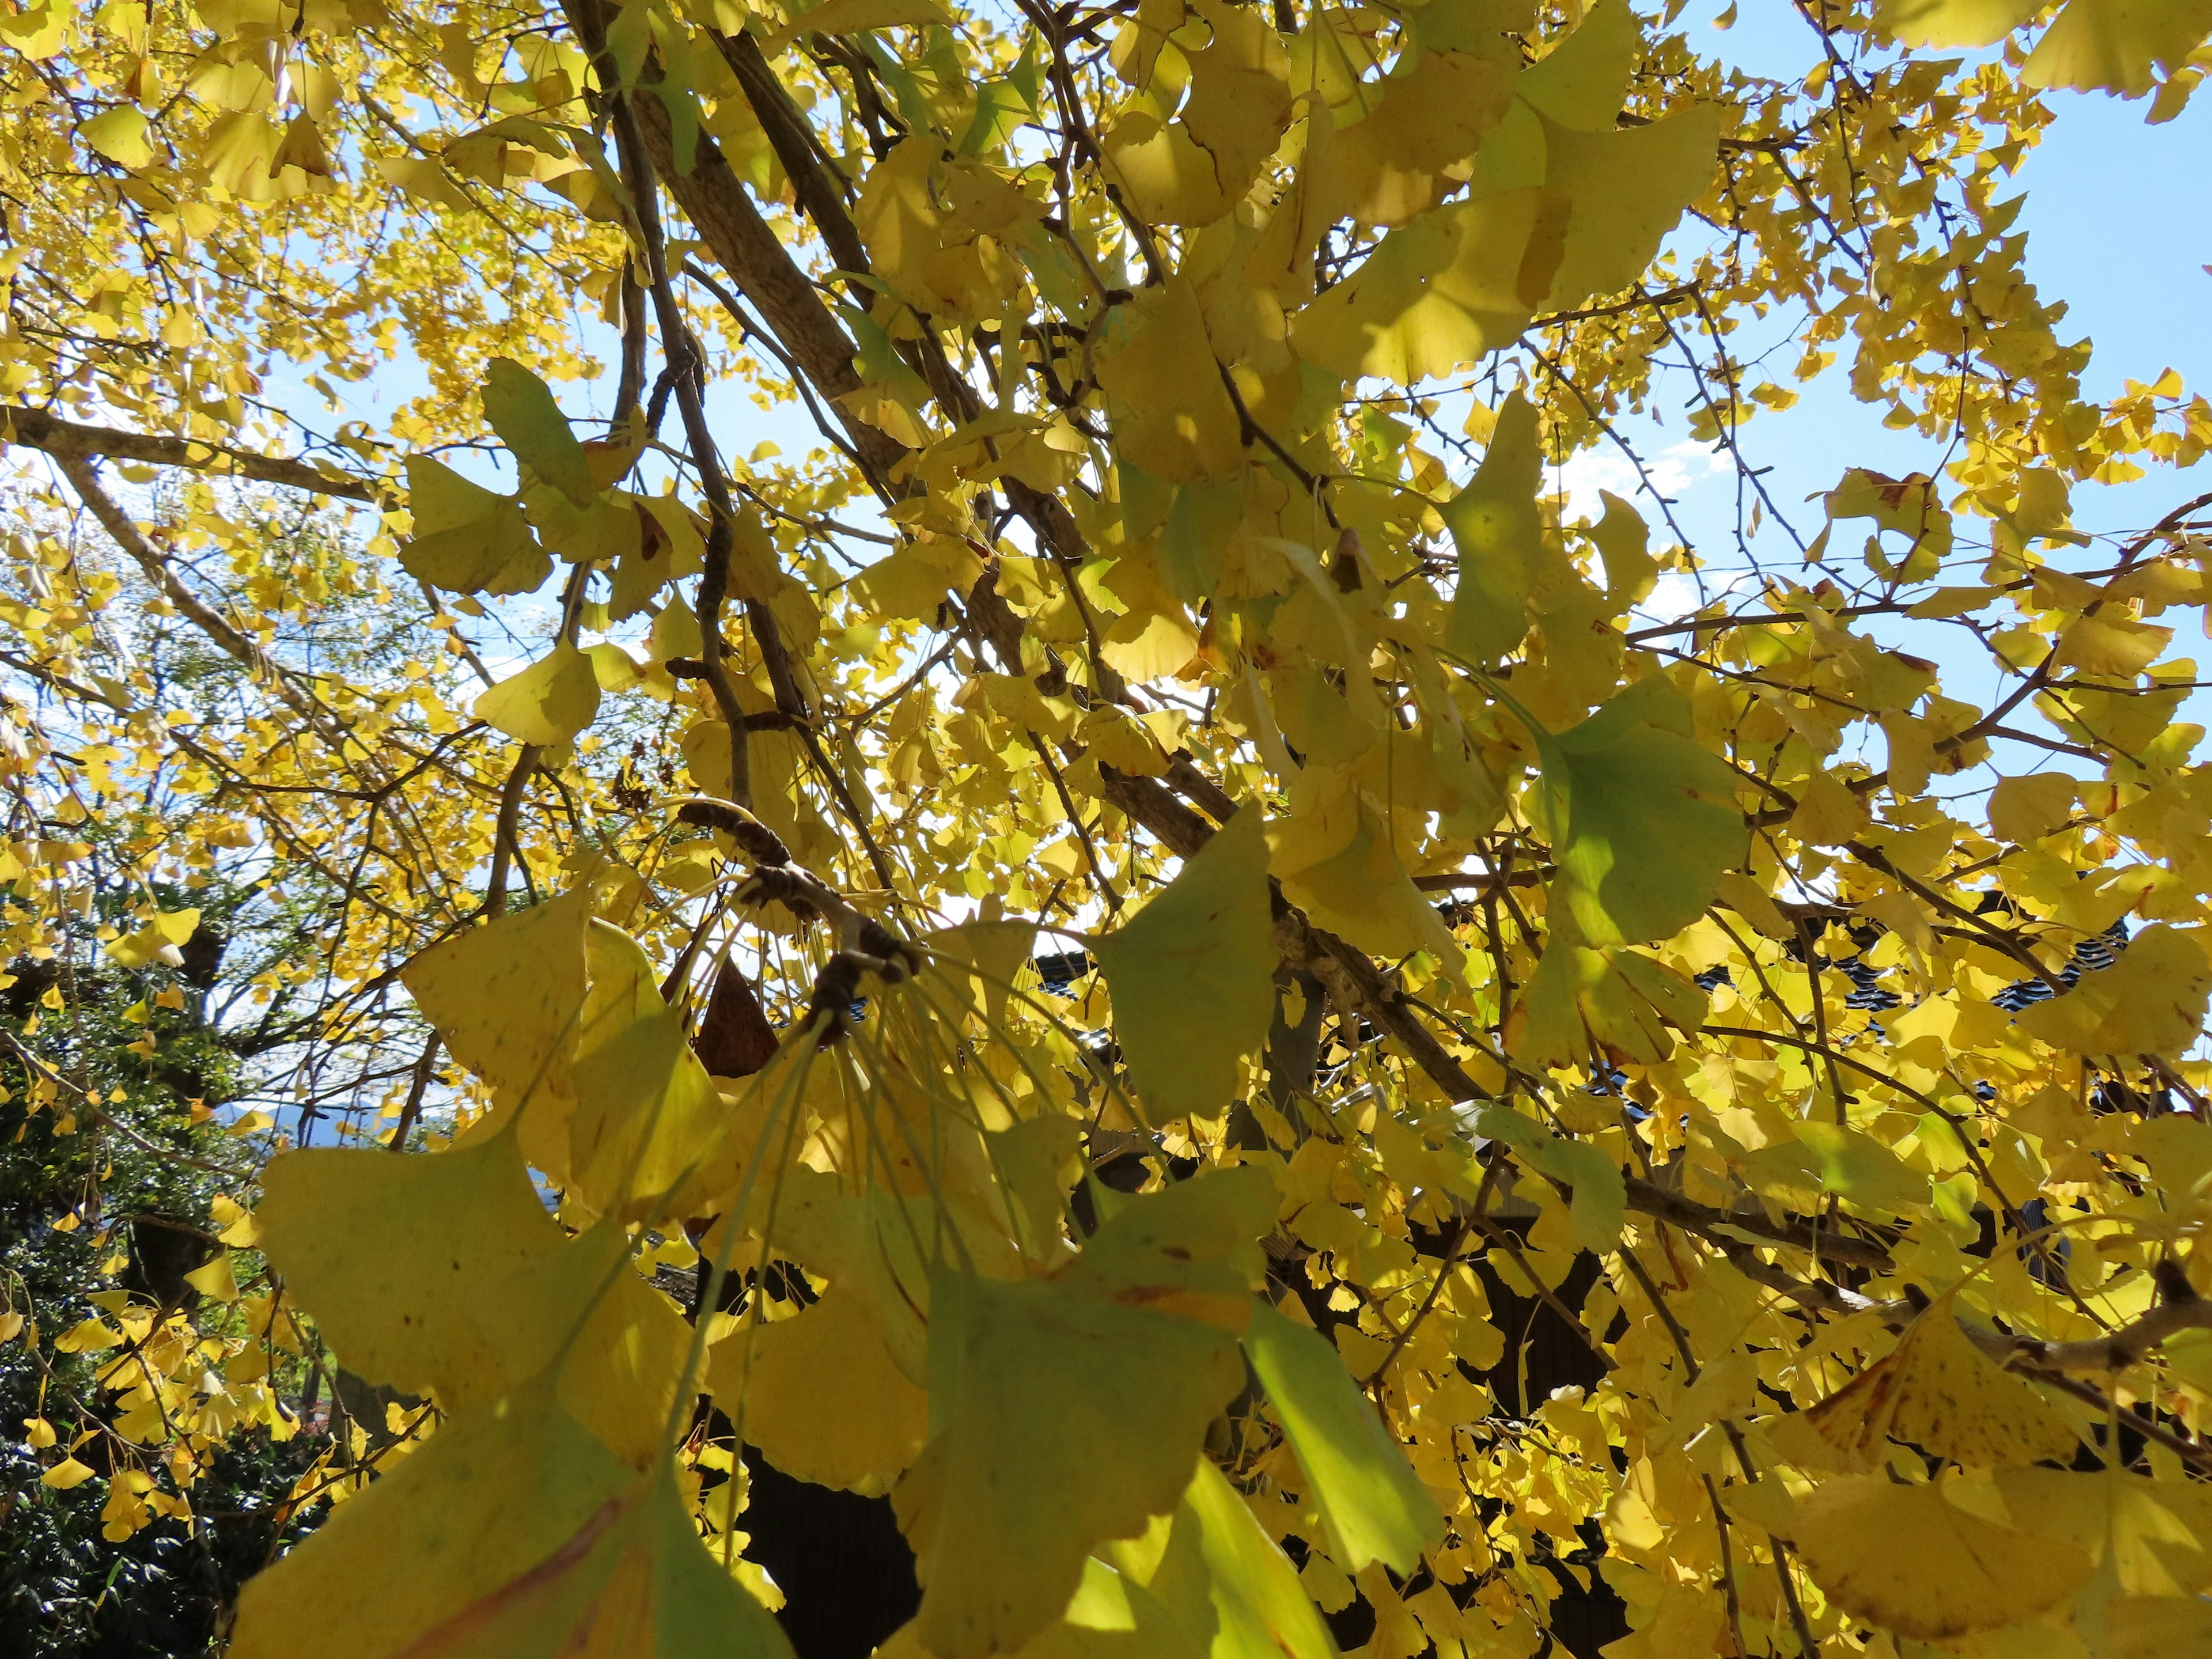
{"points": [[852, 16], [1340, 865], [1937, 1391], [2026, 809], [158, 940], [1193, 974], [2150, 1626], [1911, 1560], [1070, 1410], [506, 997], [1627, 189], [615, 1345], [468, 539], [512, 1534], [646, 1114], [214, 1280], [120, 136], [2158, 1534], [1392, 164], [392, 1255], [1196, 169], [91, 1335], [1581, 82], [1175, 420], [1954, 22], [548, 702], [68, 1475], [2151, 1001], [821, 1396], [2113, 46], [1442, 291]]}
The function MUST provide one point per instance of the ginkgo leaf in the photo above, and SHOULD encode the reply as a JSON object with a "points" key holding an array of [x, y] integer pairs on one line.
{"points": [[1259, 1608], [120, 136], [865, 1245], [521, 408], [1191, 1249], [2150, 1001], [2113, 46], [1194, 170], [1193, 974], [2150, 1626], [619, 1344], [1341, 866], [980, 958], [1955, 23], [1497, 532], [506, 996], [1619, 998], [468, 539], [392, 1255], [1623, 542], [1442, 291], [1642, 819], [1204, 1583], [822, 1397], [1627, 189], [2158, 1534], [1070, 1410], [1038, 1161], [2026, 809], [1600, 1203], [1371, 1505], [512, 1534], [1937, 1391], [1581, 82], [852, 16], [1908, 1560], [1394, 163], [158, 940], [646, 1114], [1175, 425], [1832, 1158], [68, 1475], [548, 702]]}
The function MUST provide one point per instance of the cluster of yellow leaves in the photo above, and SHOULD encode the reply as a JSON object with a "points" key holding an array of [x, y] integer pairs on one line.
{"points": [[1133, 354]]}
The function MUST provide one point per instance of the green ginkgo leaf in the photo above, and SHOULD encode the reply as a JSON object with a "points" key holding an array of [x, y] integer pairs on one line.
{"points": [[521, 409], [548, 702], [1193, 974], [1642, 819], [1495, 530], [468, 539], [1372, 1505], [1068, 1411], [1601, 1191]]}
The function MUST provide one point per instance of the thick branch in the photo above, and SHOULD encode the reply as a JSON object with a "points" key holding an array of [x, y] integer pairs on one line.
{"points": [[68, 440]]}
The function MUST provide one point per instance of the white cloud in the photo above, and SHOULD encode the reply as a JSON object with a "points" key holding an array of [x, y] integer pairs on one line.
{"points": [[1675, 470]]}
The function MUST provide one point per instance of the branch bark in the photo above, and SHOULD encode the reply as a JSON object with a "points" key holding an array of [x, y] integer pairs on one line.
{"points": [[73, 440]]}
